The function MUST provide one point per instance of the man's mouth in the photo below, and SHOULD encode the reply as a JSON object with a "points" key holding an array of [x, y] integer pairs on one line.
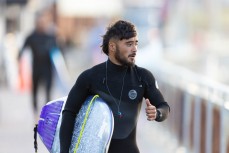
{"points": [[132, 55]]}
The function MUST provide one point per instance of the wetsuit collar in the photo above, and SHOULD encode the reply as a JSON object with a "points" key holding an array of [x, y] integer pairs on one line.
{"points": [[115, 66]]}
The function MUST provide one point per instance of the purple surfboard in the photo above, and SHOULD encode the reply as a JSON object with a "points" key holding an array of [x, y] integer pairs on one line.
{"points": [[94, 124]]}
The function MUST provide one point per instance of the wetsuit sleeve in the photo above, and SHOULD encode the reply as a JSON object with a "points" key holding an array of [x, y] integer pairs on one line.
{"points": [[154, 95], [76, 97], [26, 43]]}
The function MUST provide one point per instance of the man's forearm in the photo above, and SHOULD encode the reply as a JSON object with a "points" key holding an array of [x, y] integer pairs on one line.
{"points": [[66, 129]]}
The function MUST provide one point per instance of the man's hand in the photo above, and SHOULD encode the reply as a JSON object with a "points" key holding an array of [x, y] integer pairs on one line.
{"points": [[151, 111]]}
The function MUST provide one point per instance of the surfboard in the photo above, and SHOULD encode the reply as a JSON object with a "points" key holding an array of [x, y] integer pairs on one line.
{"points": [[93, 126], [60, 69]]}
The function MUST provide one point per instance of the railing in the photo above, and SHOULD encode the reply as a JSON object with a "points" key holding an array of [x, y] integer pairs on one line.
{"points": [[199, 118]]}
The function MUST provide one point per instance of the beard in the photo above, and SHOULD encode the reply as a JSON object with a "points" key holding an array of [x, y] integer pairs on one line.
{"points": [[121, 59]]}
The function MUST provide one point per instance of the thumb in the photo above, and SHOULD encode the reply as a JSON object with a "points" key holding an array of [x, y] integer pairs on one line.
{"points": [[148, 102]]}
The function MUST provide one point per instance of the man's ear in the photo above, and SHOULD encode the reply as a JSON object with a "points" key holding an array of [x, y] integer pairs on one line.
{"points": [[112, 46]]}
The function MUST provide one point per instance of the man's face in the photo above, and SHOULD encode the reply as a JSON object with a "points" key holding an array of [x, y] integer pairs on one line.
{"points": [[125, 51]]}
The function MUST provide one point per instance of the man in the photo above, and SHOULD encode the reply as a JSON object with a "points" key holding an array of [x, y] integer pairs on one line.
{"points": [[122, 85], [41, 43]]}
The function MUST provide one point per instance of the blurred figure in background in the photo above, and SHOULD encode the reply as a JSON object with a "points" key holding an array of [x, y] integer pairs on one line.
{"points": [[41, 42]]}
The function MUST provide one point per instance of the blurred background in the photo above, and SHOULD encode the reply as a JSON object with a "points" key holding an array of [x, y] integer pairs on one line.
{"points": [[184, 43]]}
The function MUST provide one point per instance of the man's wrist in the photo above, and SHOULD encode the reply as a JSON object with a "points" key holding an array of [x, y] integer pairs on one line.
{"points": [[159, 115]]}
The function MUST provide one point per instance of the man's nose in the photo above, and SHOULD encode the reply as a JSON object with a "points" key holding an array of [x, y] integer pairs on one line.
{"points": [[135, 48]]}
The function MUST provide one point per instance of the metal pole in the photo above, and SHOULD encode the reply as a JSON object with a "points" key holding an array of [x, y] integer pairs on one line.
{"points": [[186, 120], [208, 132], [197, 116], [223, 145]]}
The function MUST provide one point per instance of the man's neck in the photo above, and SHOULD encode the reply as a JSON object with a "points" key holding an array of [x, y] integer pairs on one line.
{"points": [[114, 61]]}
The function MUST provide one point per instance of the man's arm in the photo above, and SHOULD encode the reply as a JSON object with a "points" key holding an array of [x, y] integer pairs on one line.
{"points": [[154, 98], [76, 97], [26, 43], [66, 129]]}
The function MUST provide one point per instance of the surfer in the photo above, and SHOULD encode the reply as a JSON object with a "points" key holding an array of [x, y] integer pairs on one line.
{"points": [[40, 43], [122, 84]]}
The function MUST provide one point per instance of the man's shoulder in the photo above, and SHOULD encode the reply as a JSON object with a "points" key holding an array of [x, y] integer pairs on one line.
{"points": [[99, 66], [144, 72], [95, 69], [141, 69], [30, 35]]}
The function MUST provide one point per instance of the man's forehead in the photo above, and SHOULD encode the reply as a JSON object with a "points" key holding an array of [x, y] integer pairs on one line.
{"points": [[132, 39]]}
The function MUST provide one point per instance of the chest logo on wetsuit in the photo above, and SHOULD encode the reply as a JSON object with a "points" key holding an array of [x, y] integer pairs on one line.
{"points": [[132, 94]]}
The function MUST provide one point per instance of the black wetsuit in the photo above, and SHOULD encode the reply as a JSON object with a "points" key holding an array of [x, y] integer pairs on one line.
{"points": [[40, 45], [137, 83]]}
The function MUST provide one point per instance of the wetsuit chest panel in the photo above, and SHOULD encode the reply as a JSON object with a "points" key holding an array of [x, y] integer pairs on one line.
{"points": [[131, 99]]}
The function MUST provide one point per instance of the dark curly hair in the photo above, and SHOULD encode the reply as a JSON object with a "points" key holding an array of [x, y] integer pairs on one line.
{"points": [[119, 30]]}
